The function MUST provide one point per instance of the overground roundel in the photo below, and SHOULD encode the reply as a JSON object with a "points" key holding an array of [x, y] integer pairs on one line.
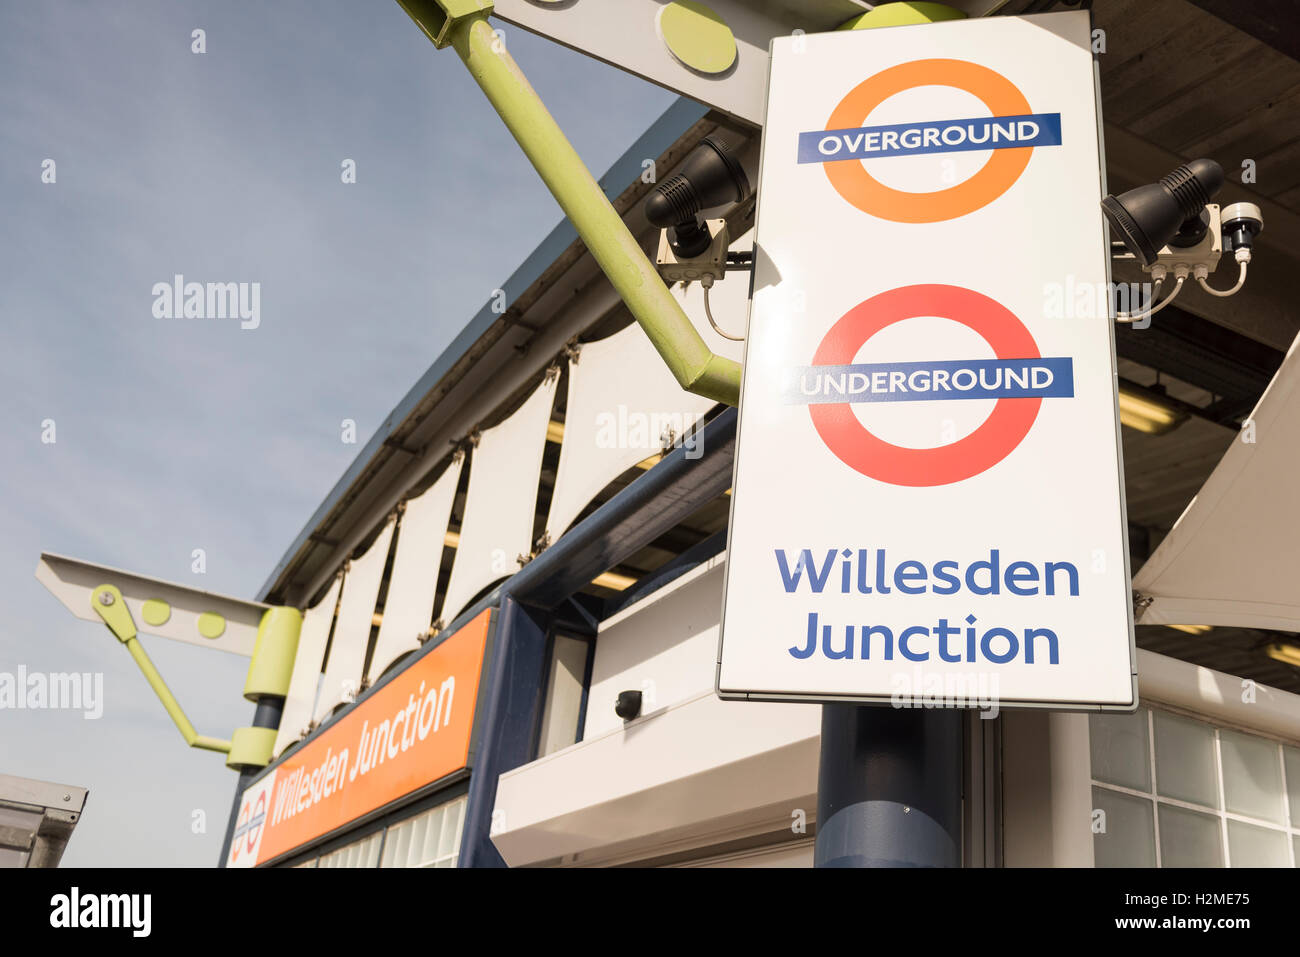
{"points": [[1004, 167], [994, 440]]}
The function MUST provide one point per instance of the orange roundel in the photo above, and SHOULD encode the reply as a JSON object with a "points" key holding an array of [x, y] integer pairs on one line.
{"points": [[852, 181]]}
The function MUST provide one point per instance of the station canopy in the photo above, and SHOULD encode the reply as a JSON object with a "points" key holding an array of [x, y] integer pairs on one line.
{"points": [[1231, 558]]}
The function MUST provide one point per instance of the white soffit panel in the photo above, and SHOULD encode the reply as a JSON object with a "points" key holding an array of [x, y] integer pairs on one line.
{"points": [[1233, 557], [627, 34], [499, 506], [630, 35], [352, 634], [413, 586], [621, 398], [312, 639], [698, 761]]}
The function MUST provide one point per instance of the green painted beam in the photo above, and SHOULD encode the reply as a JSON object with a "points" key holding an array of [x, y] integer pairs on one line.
{"points": [[614, 248], [902, 14], [169, 702]]}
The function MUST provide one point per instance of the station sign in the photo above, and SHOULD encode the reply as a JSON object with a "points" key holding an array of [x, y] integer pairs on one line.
{"points": [[928, 505], [409, 733]]}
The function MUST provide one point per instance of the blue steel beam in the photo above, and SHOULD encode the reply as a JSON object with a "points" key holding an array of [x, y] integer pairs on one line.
{"points": [[633, 518]]}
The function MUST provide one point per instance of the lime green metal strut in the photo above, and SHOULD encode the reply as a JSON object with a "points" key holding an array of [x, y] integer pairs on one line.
{"points": [[107, 601], [463, 25]]}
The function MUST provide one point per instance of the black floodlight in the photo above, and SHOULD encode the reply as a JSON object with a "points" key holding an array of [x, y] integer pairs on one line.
{"points": [[710, 176], [1165, 213]]}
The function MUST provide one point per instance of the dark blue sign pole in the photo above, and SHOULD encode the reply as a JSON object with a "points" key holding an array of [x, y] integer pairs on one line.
{"points": [[267, 715], [889, 787]]}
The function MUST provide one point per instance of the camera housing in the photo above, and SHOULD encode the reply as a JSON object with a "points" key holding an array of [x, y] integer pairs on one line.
{"points": [[628, 705], [1241, 223]]}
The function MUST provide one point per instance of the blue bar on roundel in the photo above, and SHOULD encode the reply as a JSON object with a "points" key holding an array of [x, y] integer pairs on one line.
{"points": [[1044, 378], [935, 136]]}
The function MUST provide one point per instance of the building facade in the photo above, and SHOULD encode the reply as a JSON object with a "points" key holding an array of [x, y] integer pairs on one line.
{"points": [[512, 596]]}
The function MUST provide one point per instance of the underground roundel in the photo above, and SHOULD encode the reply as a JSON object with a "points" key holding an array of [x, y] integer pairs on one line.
{"points": [[1018, 378]]}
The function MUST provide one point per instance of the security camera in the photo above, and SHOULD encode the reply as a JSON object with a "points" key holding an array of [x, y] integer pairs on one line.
{"points": [[710, 176], [1242, 222], [628, 705], [1167, 213]]}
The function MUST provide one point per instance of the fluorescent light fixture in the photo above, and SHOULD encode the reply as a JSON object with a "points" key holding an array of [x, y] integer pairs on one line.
{"points": [[1147, 411], [614, 581], [1286, 653]]}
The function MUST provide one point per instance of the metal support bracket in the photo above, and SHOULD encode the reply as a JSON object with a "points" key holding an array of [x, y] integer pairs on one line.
{"points": [[462, 24], [109, 605]]}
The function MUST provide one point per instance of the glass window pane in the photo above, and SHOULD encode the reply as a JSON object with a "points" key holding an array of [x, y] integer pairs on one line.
{"points": [[450, 843], [372, 849], [433, 834], [390, 848], [1252, 846], [419, 826], [1185, 765], [1128, 837], [428, 837], [1293, 783], [446, 837], [404, 844], [1119, 749], [1252, 777], [1189, 838]]}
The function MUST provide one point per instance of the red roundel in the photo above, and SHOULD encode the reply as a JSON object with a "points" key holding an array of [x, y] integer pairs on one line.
{"points": [[984, 448]]}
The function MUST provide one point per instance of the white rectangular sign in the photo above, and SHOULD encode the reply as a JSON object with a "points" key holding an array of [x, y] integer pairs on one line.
{"points": [[928, 504]]}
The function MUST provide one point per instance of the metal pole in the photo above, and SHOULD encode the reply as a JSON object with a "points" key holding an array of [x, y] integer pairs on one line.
{"points": [[169, 702], [889, 783], [267, 715], [889, 787]]}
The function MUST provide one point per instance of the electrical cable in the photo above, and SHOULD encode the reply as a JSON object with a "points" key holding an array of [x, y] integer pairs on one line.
{"points": [[1223, 293], [706, 282], [1178, 286]]}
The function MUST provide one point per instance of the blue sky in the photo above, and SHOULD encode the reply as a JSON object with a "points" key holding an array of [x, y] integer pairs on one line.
{"points": [[173, 435]]}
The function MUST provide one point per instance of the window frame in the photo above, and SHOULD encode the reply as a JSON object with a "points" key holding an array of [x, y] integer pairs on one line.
{"points": [[1287, 827]]}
